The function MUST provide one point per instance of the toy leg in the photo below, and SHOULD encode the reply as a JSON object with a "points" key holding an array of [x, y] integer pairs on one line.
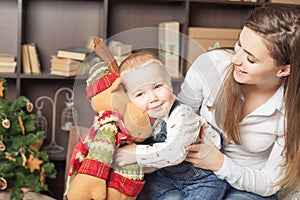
{"points": [[113, 194]]}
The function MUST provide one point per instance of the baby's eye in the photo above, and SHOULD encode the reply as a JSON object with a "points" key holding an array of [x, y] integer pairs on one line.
{"points": [[158, 86], [139, 94]]}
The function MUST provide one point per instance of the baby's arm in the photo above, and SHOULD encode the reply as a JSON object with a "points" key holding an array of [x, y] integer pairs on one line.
{"points": [[183, 128]]}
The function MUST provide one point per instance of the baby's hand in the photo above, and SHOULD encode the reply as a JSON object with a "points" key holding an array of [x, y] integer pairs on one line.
{"points": [[125, 155], [149, 170]]}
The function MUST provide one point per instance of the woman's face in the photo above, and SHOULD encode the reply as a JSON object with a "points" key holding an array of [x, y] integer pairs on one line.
{"points": [[252, 62]]}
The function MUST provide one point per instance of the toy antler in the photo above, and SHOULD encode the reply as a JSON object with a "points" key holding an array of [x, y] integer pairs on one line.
{"points": [[105, 54]]}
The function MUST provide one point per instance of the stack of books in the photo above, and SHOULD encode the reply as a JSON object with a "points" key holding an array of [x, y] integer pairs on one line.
{"points": [[75, 53], [68, 60], [7, 63], [30, 59], [64, 66], [119, 50]]}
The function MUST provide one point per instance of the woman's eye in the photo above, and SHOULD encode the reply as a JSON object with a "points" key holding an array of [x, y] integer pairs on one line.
{"points": [[250, 61]]}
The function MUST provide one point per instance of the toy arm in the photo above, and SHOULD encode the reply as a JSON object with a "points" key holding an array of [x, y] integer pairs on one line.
{"points": [[90, 182], [101, 150]]}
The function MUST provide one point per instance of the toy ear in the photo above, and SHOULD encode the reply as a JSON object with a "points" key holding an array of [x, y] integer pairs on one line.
{"points": [[119, 99], [116, 85], [107, 98], [137, 123], [105, 54]]}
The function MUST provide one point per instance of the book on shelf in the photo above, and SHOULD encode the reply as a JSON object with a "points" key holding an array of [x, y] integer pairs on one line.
{"points": [[169, 39], [76, 53], [25, 60], [8, 66], [7, 57], [63, 73], [64, 64], [34, 58]]}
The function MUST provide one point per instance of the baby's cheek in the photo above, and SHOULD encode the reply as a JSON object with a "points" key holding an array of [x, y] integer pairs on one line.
{"points": [[139, 103]]}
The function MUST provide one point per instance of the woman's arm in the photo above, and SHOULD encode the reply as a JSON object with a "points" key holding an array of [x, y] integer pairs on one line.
{"points": [[260, 181]]}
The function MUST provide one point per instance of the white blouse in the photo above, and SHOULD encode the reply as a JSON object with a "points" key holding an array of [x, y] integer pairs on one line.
{"points": [[254, 166]]}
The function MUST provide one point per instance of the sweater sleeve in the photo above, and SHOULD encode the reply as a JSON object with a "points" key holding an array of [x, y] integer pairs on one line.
{"points": [[204, 78], [183, 128], [192, 90], [260, 181]]}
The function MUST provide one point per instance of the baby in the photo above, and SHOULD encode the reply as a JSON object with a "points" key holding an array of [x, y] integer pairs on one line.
{"points": [[175, 126]]}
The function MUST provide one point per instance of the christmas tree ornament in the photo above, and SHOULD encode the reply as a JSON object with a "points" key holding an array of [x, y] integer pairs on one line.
{"points": [[36, 147], [29, 105], [5, 121], [3, 183], [21, 125], [33, 163], [2, 145], [2, 88], [42, 176], [24, 159], [9, 157]]}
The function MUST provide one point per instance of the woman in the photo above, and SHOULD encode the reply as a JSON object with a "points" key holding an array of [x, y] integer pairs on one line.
{"points": [[257, 107]]}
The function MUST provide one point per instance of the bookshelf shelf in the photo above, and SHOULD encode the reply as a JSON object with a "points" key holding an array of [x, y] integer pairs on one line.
{"points": [[55, 24]]}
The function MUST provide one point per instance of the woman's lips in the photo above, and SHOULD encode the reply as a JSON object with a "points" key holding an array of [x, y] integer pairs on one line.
{"points": [[239, 70]]}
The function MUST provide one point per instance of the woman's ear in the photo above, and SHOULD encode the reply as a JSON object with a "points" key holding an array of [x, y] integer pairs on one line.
{"points": [[284, 71]]}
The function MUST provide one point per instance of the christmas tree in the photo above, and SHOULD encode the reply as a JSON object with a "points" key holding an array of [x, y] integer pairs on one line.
{"points": [[23, 164]]}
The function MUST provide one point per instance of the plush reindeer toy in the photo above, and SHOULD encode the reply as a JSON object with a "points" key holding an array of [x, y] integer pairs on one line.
{"points": [[92, 174]]}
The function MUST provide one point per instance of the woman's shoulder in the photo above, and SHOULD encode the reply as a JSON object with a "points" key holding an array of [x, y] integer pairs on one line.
{"points": [[217, 58], [210, 63], [216, 55]]}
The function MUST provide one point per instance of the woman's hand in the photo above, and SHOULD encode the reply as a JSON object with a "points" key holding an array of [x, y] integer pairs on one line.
{"points": [[205, 155], [125, 155]]}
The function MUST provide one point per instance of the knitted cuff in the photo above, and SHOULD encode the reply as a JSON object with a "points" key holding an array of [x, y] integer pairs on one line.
{"points": [[125, 185], [94, 168]]}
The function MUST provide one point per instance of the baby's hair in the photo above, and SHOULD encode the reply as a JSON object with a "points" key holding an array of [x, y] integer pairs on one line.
{"points": [[138, 59]]}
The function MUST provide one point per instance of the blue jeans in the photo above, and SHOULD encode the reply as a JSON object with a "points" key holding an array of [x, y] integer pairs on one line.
{"points": [[183, 181], [232, 194]]}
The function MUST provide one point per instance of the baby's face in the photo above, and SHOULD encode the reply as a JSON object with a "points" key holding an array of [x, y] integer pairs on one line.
{"points": [[155, 98]]}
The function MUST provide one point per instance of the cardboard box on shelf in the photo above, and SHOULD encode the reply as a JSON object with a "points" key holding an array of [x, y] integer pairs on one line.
{"points": [[203, 39], [214, 37], [285, 1]]}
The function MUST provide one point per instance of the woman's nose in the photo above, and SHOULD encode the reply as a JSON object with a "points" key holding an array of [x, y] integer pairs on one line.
{"points": [[236, 59]]}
